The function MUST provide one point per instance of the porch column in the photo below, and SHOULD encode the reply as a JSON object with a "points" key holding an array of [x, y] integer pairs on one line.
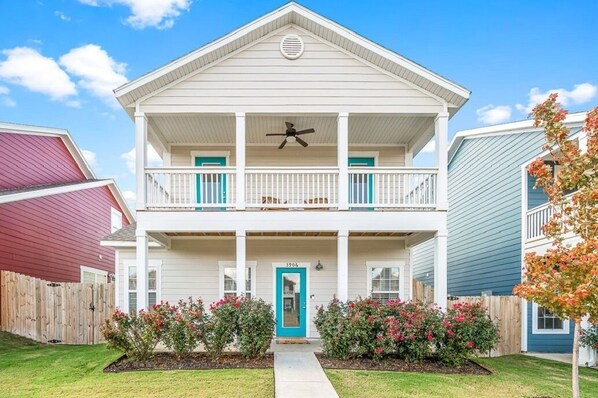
{"points": [[441, 136], [342, 271], [342, 144], [141, 263], [240, 160], [140, 157], [440, 269], [241, 257]]}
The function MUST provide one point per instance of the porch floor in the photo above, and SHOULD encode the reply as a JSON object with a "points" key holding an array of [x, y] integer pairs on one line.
{"points": [[314, 346]]}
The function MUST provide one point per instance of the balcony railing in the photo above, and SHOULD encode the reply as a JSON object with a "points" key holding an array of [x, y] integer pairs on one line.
{"points": [[536, 218], [289, 188]]}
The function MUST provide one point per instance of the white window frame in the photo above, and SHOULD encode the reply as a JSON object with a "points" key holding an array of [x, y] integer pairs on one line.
{"points": [[232, 264], [115, 213], [95, 271], [535, 330], [400, 264], [151, 264]]}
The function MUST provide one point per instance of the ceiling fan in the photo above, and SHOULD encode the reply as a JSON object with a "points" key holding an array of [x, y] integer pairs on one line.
{"points": [[291, 135]]}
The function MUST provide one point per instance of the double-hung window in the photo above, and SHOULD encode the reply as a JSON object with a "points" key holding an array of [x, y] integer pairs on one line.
{"points": [[385, 280], [93, 275], [228, 279], [116, 220], [153, 285], [544, 322]]}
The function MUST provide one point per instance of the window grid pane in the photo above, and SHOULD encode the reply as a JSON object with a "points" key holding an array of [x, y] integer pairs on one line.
{"points": [[230, 282], [547, 321], [385, 283]]}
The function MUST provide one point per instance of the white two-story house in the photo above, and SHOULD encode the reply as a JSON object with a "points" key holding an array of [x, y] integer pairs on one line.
{"points": [[287, 174]]}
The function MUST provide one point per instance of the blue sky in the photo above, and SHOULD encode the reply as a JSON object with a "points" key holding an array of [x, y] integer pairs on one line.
{"points": [[60, 59]]}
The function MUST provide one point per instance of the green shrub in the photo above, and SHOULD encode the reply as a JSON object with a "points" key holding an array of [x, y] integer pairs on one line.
{"points": [[589, 337], [467, 329], [135, 334], [365, 328], [221, 326], [333, 326], [183, 325], [255, 328]]}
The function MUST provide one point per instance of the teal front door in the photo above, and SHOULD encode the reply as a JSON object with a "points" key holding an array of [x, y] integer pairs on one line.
{"points": [[211, 188], [361, 186], [291, 302]]}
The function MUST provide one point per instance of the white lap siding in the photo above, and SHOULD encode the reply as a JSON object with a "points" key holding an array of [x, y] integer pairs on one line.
{"points": [[190, 267]]}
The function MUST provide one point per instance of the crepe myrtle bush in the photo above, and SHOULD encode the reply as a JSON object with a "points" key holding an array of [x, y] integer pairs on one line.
{"points": [[468, 329], [255, 327], [221, 327], [408, 330], [182, 325], [135, 334]]}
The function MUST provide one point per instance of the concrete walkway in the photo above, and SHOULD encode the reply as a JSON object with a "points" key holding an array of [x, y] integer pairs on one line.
{"points": [[299, 375]]}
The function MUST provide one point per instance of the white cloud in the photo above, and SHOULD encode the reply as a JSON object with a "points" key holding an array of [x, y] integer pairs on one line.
{"points": [[580, 94], [98, 72], [159, 14], [153, 159], [62, 16], [130, 195], [491, 114], [90, 157], [8, 102], [4, 90], [430, 146], [28, 68]]}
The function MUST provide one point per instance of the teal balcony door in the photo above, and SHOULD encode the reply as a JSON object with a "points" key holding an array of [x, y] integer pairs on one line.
{"points": [[361, 186], [291, 302], [210, 187]]}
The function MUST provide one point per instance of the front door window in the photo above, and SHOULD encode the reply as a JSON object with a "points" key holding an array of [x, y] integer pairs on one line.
{"points": [[290, 302]]}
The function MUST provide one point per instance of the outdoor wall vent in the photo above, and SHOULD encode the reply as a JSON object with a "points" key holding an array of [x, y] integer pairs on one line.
{"points": [[291, 46]]}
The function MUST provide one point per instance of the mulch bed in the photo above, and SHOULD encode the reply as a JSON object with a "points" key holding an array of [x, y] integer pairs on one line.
{"points": [[194, 361], [393, 364]]}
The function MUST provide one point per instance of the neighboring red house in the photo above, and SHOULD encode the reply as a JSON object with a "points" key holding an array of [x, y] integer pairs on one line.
{"points": [[53, 210]]}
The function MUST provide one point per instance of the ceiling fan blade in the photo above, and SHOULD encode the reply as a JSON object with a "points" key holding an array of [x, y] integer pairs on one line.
{"points": [[283, 144], [308, 131], [268, 135], [299, 140], [289, 125]]}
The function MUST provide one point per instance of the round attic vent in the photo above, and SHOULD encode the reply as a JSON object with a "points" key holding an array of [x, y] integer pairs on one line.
{"points": [[291, 46]]}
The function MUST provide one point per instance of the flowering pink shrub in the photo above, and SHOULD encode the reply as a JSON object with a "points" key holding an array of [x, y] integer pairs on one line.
{"points": [[467, 329], [255, 328], [219, 331], [409, 330], [182, 325], [135, 334]]}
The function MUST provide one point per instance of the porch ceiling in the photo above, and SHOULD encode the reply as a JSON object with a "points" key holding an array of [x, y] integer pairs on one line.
{"points": [[364, 129], [289, 234]]}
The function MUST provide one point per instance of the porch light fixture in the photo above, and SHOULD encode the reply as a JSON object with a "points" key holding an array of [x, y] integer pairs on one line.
{"points": [[319, 266]]}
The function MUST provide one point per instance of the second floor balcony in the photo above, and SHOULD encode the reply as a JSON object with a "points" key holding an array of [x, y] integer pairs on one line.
{"points": [[290, 188]]}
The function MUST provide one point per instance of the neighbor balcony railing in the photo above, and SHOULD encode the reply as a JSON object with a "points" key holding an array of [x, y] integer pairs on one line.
{"points": [[296, 188]]}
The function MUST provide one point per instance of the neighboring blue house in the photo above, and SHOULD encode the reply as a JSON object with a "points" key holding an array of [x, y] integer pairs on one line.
{"points": [[490, 200]]}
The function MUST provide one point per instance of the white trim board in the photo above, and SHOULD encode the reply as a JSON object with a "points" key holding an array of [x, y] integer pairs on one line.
{"points": [[133, 263]]}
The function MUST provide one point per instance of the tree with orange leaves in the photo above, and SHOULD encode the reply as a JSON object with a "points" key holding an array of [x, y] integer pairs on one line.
{"points": [[565, 279]]}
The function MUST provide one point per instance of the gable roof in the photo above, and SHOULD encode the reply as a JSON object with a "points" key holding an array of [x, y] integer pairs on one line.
{"points": [[13, 195], [523, 126], [293, 14]]}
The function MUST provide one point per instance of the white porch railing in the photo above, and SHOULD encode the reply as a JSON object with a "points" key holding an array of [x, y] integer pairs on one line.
{"points": [[291, 188], [392, 187], [190, 187], [273, 188], [535, 220]]}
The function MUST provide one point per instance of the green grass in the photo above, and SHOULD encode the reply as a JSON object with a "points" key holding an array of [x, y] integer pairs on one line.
{"points": [[514, 376], [28, 369]]}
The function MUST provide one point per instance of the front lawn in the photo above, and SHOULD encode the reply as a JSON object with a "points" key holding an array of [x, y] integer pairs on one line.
{"points": [[514, 376], [28, 369]]}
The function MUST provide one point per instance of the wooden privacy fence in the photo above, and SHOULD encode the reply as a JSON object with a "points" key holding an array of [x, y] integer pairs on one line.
{"points": [[506, 309], [50, 312]]}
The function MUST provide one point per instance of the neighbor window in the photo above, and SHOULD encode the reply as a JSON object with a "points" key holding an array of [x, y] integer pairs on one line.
{"points": [[228, 279], [116, 220], [385, 281], [546, 322], [93, 275], [152, 286]]}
